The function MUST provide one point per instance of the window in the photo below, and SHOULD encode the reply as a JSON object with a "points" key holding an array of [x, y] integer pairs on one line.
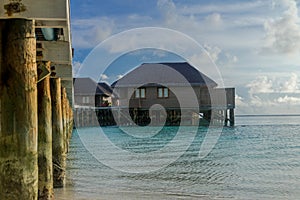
{"points": [[137, 93], [140, 93], [163, 92], [85, 100]]}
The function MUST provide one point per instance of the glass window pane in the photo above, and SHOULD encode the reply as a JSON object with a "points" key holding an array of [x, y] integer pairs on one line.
{"points": [[160, 92], [166, 92], [142, 92], [137, 93]]}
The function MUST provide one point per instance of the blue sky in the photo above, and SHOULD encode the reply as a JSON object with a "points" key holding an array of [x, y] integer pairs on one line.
{"points": [[255, 44]]}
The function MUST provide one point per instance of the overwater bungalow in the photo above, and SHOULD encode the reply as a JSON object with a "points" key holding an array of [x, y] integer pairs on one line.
{"points": [[163, 84], [89, 93], [155, 94]]}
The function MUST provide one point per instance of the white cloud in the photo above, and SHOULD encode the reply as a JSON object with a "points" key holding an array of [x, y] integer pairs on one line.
{"points": [[168, 9], [266, 105], [76, 67], [213, 51], [270, 96], [159, 53], [261, 84], [289, 100], [231, 58], [283, 34], [104, 77], [215, 54], [87, 33], [240, 101], [236, 7], [291, 85], [119, 76], [149, 52], [174, 18], [214, 19], [242, 106]]}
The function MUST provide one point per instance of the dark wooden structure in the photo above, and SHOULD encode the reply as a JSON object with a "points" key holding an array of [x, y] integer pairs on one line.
{"points": [[172, 86], [89, 93]]}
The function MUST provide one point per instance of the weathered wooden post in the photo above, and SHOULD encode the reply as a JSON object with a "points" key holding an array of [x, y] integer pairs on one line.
{"points": [[67, 125], [80, 111], [45, 184], [69, 122], [67, 118], [64, 116], [76, 117], [231, 115], [18, 110], [79, 124], [58, 151], [87, 117], [80, 118], [226, 117]]}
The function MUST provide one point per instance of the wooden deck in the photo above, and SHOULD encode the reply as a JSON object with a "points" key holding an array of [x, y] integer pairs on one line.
{"points": [[112, 116]]}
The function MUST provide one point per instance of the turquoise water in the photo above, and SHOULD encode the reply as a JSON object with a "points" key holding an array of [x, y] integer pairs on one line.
{"points": [[259, 158]]}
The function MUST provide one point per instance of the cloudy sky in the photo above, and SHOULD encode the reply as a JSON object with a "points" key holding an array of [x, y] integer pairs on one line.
{"points": [[254, 43]]}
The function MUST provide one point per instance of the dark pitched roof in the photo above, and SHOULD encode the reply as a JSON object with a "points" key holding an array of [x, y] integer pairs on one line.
{"points": [[87, 86], [176, 74], [104, 89]]}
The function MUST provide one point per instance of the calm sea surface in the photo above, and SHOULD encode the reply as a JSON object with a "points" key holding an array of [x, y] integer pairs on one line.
{"points": [[257, 159]]}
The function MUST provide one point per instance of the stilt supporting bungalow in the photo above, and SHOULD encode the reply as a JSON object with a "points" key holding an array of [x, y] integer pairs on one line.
{"points": [[111, 116], [231, 119]]}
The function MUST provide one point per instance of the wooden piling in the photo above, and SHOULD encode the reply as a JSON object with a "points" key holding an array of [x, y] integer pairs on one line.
{"points": [[58, 151], [231, 115], [18, 110], [69, 123], [226, 117], [64, 116], [67, 113], [45, 183]]}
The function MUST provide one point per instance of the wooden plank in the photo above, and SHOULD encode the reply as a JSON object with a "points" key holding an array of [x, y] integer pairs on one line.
{"points": [[58, 52], [64, 71]]}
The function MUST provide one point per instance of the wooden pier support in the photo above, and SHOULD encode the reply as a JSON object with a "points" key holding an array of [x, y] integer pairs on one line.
{"points": [[111, 116], [18, 110], [45, 184], [69, 123], [58, 143], [64, 116], [231, 116], [67, 116], [226, 117]]}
